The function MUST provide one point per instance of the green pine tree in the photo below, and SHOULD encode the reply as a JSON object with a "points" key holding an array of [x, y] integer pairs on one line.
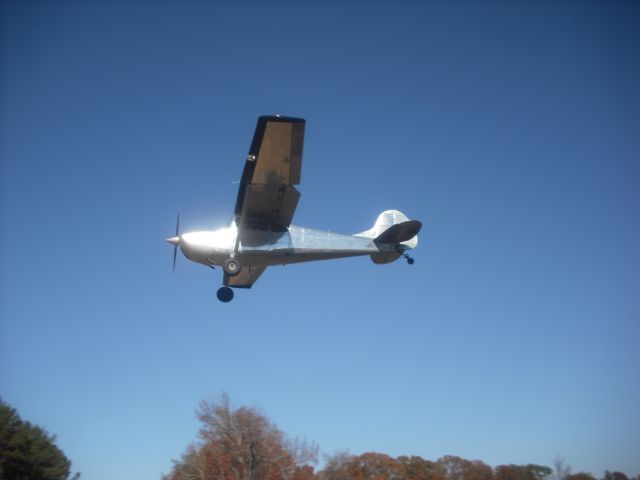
{"points": [[28, 451]]}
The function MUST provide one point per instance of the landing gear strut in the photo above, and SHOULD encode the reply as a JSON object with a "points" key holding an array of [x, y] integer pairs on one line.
{"points": [[225, 294], [232, 268]]}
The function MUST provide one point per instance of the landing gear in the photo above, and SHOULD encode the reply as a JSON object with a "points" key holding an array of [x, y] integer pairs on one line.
{"points": [[410, 260], [225, 294], [231, 267]]}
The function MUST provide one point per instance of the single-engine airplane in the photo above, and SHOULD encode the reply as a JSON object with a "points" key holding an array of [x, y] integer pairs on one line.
{"points": [[261, 234]]}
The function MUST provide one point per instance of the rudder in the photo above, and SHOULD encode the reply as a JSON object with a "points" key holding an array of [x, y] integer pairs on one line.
{"points": [[386, 219]]}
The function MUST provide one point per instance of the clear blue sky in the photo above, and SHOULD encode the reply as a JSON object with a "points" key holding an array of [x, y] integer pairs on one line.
{"points": [[510, 129]]}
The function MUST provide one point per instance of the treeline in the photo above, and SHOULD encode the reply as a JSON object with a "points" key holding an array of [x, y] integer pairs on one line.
{"points": [[377, 466], [242, 444]]}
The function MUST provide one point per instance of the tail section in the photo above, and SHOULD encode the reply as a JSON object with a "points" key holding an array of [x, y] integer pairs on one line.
{"points": [[405, 233], [393, 233]]}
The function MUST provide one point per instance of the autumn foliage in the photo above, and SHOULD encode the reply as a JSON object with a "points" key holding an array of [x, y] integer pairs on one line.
{"points": [[378, 466], [242, 444]]}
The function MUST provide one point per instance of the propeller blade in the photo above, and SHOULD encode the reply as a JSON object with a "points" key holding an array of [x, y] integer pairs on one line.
{"points": [[175, 241], [175, 252]]}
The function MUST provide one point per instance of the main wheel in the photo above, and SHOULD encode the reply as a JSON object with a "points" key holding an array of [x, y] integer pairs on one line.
{"points": [[225, 294], [231, 267]]}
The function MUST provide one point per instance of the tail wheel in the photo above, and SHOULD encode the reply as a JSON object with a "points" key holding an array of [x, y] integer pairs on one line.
{"points": [[231, 267]]}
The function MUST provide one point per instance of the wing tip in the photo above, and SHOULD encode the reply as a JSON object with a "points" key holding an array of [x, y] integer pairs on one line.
{"points": [[280, 118]]}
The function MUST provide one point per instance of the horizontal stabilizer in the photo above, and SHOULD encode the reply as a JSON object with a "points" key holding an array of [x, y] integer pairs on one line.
{"points": [[385, 257], [400, 232]]}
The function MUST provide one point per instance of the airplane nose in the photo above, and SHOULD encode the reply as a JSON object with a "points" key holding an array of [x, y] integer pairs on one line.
{"points": [[173, 240]]}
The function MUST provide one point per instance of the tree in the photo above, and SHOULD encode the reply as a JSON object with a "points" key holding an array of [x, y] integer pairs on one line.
{"points": [[28, 452], [336, 467], [378, 466], [614, 475], [368, 466], [580, 476], [509, 472], [304, 472], [242, 444], [538, 472], [375, 466], [417, 468], [560, 469], [457, 468], [189, 467], [521, 472]]}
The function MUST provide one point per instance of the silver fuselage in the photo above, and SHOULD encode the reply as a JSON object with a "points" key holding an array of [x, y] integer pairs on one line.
{"points": [[262, 248]]}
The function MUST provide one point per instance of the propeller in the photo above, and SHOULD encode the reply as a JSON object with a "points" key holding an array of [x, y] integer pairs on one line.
{"points": [[175, 241]]}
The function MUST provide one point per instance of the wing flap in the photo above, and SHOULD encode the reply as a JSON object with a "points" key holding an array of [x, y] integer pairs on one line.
{"points": [[269, 206]]}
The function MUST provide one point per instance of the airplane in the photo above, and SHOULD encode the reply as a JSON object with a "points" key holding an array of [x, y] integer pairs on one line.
{"points": [[261, 234]]}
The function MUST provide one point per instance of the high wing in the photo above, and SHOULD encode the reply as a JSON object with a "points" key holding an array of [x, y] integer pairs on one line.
{"points": [[267, 198], [245, 279]]}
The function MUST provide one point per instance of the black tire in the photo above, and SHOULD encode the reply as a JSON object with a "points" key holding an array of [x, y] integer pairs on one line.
{"points": [[225, 294], [231, 267]]}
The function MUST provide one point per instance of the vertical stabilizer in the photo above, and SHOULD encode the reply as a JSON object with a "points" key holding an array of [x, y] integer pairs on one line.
{"points": [[386, 219]]}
